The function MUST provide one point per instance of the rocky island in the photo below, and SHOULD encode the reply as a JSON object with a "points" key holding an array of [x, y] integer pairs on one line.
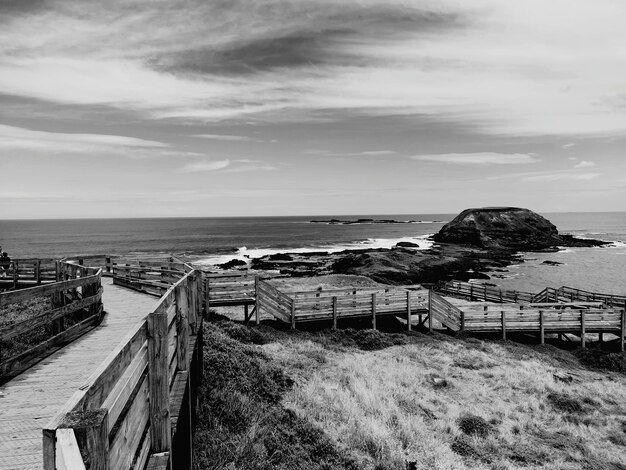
{"points": [[509, 228], [474, 243]]}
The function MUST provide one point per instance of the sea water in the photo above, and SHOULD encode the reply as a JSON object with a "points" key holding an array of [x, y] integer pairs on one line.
{"points": [[216, 240]]}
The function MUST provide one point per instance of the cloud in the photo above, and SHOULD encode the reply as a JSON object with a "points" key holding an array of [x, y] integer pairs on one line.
{"points": [[242, 165], [463, 62], [562, 177], [233, 138], [205, 166], [20, 139], [482, 158], [329, 153], [569, 145], [249, 167], [585, 164]]}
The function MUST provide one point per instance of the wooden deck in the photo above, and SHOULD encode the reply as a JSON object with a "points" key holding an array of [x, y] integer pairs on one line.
{"points": [[29, 401]]}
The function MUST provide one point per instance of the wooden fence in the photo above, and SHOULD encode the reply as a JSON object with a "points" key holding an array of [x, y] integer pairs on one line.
{"points": [[224, 289], [138, 407], [27, 273], [79, 289], [579, 318], [334, 304], [471, 291], [150, 277], [570, 294]]}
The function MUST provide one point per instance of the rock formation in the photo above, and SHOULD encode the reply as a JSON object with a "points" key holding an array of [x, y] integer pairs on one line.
{"points": [[509, 228]]}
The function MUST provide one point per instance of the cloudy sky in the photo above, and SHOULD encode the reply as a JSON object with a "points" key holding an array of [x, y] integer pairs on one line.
{"points": [[128, 108]]}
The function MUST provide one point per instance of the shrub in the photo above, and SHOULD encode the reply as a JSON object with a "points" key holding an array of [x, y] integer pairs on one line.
{"points": [[473, 425]]}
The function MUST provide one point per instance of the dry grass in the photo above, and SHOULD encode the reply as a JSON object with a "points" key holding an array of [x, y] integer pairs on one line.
{"points": [[19, 312], [436, 403]]}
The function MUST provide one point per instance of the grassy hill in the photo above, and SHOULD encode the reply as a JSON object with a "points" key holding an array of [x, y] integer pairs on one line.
{"points": [[361, 399]]}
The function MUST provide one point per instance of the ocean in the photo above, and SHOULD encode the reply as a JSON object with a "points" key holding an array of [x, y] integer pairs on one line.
{"points": [[217, 240]]}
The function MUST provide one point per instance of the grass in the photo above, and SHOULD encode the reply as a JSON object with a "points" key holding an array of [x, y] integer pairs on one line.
{"points": [[19, 312], [385, 401], [242, 423], [25, 310]]}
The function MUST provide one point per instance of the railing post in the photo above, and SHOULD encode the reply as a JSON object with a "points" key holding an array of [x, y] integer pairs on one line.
{"points": [[192, 302], [430, 310], [334, 312], [159, 381], [182, 326], [541, 328], [623, 331], [503, 320], [462, 320], [582, 329], [107, 263], [92, 434], [293, 314], [374, 310], [38, 272], [16, 268], [207, 294], [408, 310], [257, 299]]}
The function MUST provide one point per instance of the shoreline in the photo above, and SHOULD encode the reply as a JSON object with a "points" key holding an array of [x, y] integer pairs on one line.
{"points": [[427, 263]]}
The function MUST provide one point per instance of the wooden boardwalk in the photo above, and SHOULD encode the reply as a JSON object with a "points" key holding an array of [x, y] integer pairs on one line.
{"points": [[29, 401]]}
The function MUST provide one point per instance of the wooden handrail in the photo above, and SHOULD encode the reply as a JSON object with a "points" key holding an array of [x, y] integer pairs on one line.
{"points": [[137, 377]]}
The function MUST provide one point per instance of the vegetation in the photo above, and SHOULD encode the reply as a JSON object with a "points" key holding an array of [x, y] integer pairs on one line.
{"points": [[25, 310], [19, 312], [371, 400]]}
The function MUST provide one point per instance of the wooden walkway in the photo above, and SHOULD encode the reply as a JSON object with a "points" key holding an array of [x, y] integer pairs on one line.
{"points": [[29, 401]]}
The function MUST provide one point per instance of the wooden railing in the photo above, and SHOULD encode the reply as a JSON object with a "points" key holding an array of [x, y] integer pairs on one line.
{"points": [[547, 318], [444, 312], [223, 289], [471, 291], [271, 300], [138, 405], [150, 277], [27, 273], [333, 304], [570, 294], [79, 289]]}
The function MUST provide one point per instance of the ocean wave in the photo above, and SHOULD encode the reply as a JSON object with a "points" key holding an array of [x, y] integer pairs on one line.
{"points": [[246, 254]]}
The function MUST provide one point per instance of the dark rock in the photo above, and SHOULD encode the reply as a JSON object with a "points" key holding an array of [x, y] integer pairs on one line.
{"points": [[233, 263], [280, 257], [551, 263], [407, 245], [500, 227], [509, 228]]}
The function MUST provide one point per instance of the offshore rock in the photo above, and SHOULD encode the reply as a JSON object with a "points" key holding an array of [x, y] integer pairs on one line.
{"points": [[510, 228]]}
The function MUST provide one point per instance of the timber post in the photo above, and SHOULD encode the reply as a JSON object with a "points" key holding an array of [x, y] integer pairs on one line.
{"points": [[408, 310], [293, 314], [182, 327], [542, 336], [430, 311], [92, 435], [207, 294], [257, 299], [159, 391], [623, 331], [503, 321], [334, 312], [582, 329], [374, 310]]}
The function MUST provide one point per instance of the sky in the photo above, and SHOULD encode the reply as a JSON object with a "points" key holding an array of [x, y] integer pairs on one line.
{"points": [[164, 108]]}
